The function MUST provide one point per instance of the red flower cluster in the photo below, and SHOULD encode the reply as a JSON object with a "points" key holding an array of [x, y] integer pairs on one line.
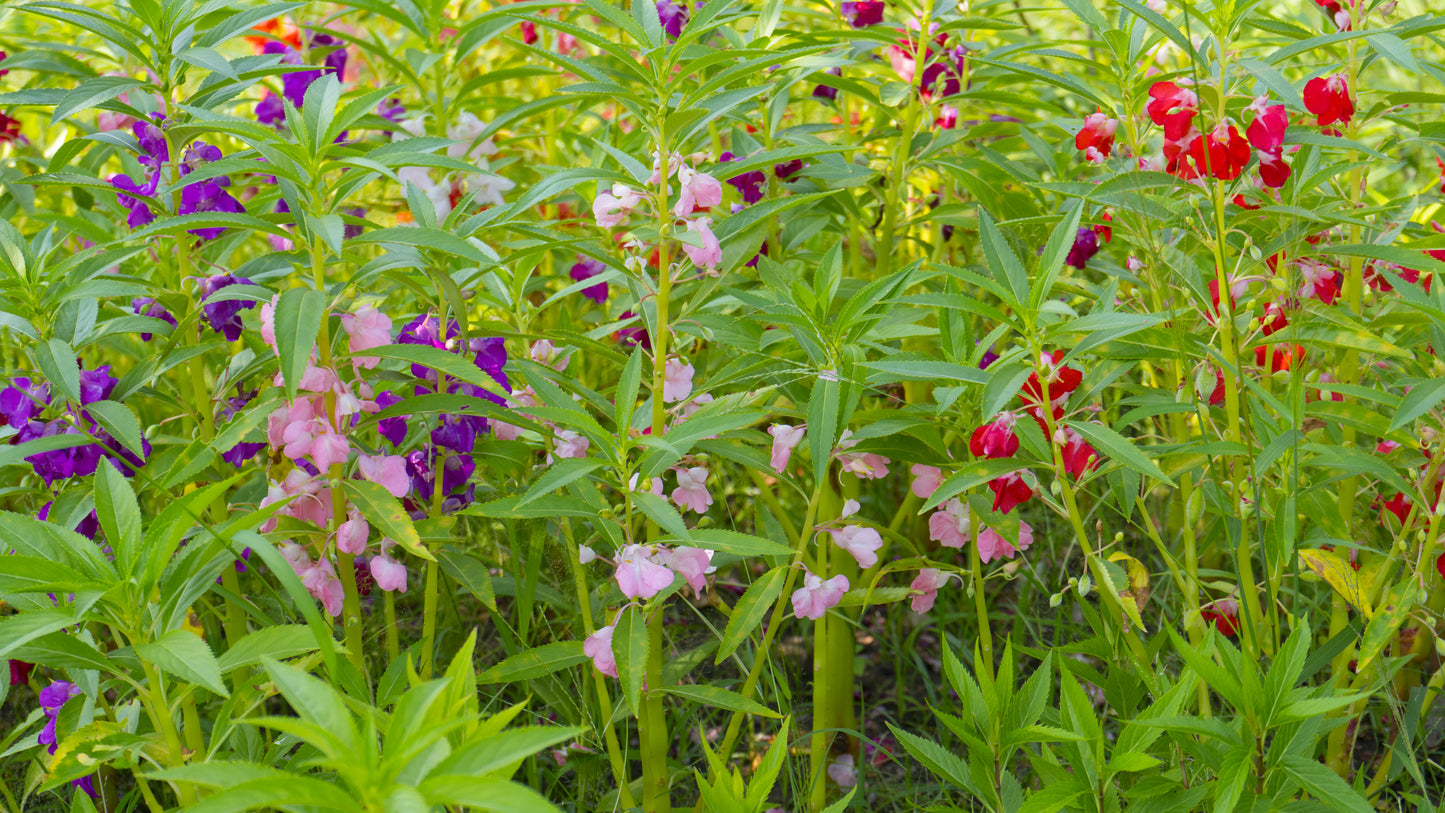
{"points": [[1266, 135], [1096, 139], [1329, 99]]}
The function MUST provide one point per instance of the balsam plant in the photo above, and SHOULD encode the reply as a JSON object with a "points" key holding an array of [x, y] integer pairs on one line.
{"points": [[677, 373]]}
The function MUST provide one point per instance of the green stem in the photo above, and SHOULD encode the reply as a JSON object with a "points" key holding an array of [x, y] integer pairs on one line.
{"points": [[980, 603], [153, 698], [393, 643]]}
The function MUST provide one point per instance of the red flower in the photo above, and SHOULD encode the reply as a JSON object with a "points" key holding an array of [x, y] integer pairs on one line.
{"points": [[1225, 615], [1061, 380], [1172, 107], [9, 129], [1078, 455], [1274, 319], [1008, 491], [1440, 565], [1266, 135], [1438, 163], [1096, 139], [1216, 397], [20, 672], [1283, 357], [1399, 505], [995, 439], [1320, 281], [529, 32], [1222, 154], [1329, 99]]}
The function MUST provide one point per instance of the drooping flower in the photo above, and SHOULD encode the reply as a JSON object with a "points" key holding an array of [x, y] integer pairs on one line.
{"points": [[22, 401], [677, 382], [367, 328], [586, 268], [699, 190], [1222, 154], [1086, 245], [1173, 108], [52, 699], [751, 184], [708, 254], [1320, 281], [145, 306], [390, 574], [570, 444], [598, 647], [1266, 135], [224, 317], [841, 770], [828, 93], [862, 464], [1224, 614], [785, 439], [140, 213], [1329, 99], [1009, 491], [691, 491], [928, 580], [692, 564], [816, 597], [861, 542], [1096, 139], [388, 471], [926, 480], [1061, 381], [611, 208], [1078, 455], [674, 16], [949, 526], [638, 576], [992, 545], [351, 535], [863, 13], [995, 439]]}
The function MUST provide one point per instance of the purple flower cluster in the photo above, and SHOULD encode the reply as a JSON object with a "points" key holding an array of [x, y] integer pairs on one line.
{"points": [[826, 92], [674, 16], [454, 439], [237, 455], [52, 699], [749, 184], [209, 195], [146, 306], [224, 316], [1086, 245], [23, 402], [270, 110]]}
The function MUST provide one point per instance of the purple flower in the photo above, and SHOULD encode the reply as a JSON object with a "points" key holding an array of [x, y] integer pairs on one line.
{"points": [[209, 196], [96, 385], [350, 230], [989, 357], [391, 110], [270, 111], [140, 213], [152, 141], [1086, 245], [393, 429], [88, 527], [749, 184], [145, 306], [456, 471], [335, 59], [825, 92], [634, 336], [674, 17], [491, 354], [788, 169], [225, 316], [238, 455], [23, 400], [86, 784], [52, 699], [457, 434], [60, 464], [863, 13], [586, 268]]}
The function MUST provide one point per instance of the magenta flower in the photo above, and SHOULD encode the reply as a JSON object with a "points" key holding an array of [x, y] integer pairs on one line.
{"points": [[1086, 245], [863, 13], [691, 491], [598, 647], [23, 400], [586, 268], [816, 597], [674, 16], [638, 575], [828, 93]]}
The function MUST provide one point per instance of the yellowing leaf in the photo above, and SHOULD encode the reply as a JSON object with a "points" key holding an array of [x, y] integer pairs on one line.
{"points": [[193, 624], [1334, 567], [1138, 579]]}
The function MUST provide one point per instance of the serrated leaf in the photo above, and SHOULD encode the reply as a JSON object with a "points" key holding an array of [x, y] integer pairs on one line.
{"points": [[298, 319], [536, 662], [184, 655], [720, 698], [751, 609], [385, 512], [629, 648]]}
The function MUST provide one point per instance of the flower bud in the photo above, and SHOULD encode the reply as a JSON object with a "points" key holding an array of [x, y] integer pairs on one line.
{"points": [[1085, 585], [1279, 283], [1118, 537], [702, 458], [1056, 488], [1056, 599], [1194, 509]]}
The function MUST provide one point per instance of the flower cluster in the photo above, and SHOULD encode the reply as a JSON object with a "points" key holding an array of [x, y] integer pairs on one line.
{"points": [[24, 404]]}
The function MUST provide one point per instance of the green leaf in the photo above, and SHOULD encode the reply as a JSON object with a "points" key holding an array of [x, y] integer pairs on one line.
{"points": [[661, 511], [298, 319], [751, 609], [386, 513], [823, 423], [280, 641], [629, 647], [536, 662], [184, 655], [559, 474], [496, 755], [722, 699], [447, 363], [1420, 399], [120, 422], [939, 761], [119, 514], [91, 93], [725, 541], [1111, 444], [58, 362], [1051, 263], [1002, 261], [470, 573]]}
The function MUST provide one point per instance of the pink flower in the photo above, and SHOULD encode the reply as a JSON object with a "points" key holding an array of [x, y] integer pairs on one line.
{"points": [[586, 555], [570, 444], [861, 542], [949, 526], [699, 191], [863, 464], [329, 449], [996, 438], [268, 323], [545, 353], [390, 574], [677, 383], [925, 480], [929, 579], [654, 484], [842, 773], [785, 439], [992, 545], [321, 582], [817, 597], [598, 647], [352, 534], [387, 471], [611, 209], [709, 254], [691, 491], [692, 564], [367, 328], [638, 576]]}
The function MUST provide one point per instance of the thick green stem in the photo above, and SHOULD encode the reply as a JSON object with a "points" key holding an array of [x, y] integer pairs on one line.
{"points": [[153, 698], [980, 603]]}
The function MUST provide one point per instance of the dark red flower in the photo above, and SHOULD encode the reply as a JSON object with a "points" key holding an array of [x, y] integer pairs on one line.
{"points": [[1222, 154], [1224, 613], [1173, 108], [1216, 396], [20, 672], [1329, 99], [1283, 357], [1399, 505], [996, 438], [1274, 319], [1078, 455], [1061, 380], [1008, 491], [863, 13], [1266, 135], [529, 32]]}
